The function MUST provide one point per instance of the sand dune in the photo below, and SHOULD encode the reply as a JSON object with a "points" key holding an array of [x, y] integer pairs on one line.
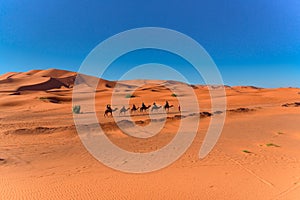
{"points": [[42, 157], [36, 80]]}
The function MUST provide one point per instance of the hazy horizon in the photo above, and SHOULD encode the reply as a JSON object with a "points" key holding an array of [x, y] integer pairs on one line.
{"points": [[148, 79]]}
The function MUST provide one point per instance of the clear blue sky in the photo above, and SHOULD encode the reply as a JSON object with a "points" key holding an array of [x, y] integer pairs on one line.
{"points": [[253, 42]]}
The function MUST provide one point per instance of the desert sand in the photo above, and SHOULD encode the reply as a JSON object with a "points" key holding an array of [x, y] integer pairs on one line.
{"points": [[42, 157]]}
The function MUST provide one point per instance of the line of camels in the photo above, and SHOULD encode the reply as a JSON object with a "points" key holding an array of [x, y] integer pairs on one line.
{"points": [[109, 111]]}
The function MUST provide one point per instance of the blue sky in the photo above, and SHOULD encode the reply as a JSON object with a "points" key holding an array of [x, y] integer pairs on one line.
{"points": [[253, 42]]}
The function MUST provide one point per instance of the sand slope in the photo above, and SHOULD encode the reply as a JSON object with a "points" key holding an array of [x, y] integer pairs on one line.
{"points": [[42, 157]]}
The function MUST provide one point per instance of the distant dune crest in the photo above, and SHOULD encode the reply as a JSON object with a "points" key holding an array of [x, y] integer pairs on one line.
{"points": [[43, 80]]}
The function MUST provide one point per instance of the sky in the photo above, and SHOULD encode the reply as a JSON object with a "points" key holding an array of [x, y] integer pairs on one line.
{"points": [[252, 42]]}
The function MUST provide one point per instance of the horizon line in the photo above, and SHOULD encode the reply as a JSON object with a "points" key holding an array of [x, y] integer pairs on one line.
{"points": [[146, 79]]}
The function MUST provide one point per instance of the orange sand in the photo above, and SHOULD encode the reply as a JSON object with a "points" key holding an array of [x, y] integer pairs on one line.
{"points": [[42, 157]]}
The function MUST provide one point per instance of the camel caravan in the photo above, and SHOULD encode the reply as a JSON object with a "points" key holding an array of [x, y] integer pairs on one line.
{"points": [[109, 111]]}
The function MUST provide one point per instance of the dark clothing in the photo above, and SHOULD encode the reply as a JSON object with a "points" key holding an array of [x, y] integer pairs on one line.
{"points": [[108, 107], [167, 104]]}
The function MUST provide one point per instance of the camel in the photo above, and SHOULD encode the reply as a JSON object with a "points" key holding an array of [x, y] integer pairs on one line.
{"points": [[123, 110], [155, 107], [109, 110], [134, 109], [144, 108], [167, 106]]}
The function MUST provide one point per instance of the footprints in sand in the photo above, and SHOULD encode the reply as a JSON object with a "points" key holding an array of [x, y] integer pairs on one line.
{"points": [[39, 130], [241, 110], [2, 161], [295, 104]]}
